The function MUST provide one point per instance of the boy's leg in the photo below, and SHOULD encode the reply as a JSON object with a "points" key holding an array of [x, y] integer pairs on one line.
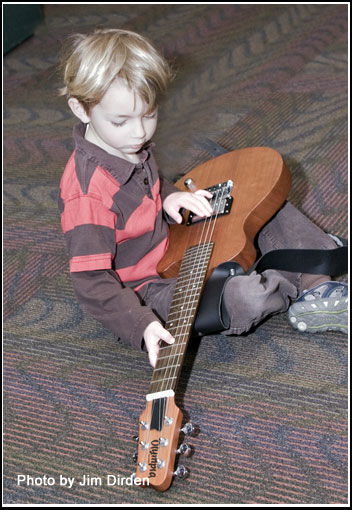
{"points": [[291, 229], [249, 299], [158, 296]]}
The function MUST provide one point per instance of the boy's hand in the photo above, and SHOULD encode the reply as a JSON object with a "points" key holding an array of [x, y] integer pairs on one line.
{"points": [[196, 202], [152, 336]]}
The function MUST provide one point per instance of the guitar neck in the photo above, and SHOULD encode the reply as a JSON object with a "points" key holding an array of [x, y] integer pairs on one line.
{"points": [[181, 317]]}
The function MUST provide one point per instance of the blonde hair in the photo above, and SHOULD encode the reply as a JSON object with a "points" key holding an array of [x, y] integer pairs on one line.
{"points": [[90, 63]]}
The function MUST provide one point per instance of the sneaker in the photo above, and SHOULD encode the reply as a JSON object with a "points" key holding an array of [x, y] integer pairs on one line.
{"points": [[322, 308]]}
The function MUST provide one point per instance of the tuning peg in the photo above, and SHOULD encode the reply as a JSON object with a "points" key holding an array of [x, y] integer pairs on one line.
{"points": [[181, 472], [135, 456], [189, 429], [185, 449], [189, 183], [135, 438]]}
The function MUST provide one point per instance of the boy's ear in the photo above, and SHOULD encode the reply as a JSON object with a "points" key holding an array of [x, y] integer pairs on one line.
{"points": [[78, 110]]}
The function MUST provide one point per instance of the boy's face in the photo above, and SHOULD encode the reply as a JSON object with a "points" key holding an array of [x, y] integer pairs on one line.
{"points": [[119, 123]]}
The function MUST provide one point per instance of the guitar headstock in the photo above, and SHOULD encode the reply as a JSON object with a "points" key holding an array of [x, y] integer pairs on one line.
{"points": [[159, 430]]}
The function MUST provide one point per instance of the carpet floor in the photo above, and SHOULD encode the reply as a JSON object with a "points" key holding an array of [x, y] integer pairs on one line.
{"points": [[271, 405]]}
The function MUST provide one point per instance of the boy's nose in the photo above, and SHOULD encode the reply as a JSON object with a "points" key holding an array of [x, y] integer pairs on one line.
{"points": [[140, 130]]}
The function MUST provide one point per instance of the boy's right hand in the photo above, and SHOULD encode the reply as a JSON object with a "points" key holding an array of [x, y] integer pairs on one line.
{"points": [[153, 334]]}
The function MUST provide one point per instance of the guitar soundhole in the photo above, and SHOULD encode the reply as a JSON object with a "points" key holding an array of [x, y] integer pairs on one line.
{"points": [[221, 202]]}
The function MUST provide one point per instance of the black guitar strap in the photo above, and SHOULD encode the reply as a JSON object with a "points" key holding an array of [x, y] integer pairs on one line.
{"points": [[212, 315]]}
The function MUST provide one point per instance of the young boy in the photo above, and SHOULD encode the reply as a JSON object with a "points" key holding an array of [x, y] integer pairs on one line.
{"points": [[115, 208]]}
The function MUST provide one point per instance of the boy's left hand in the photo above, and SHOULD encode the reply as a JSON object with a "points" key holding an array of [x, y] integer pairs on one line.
{"points": [[196, 202]]}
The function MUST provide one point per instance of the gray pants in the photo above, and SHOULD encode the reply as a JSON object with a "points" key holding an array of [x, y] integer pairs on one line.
{"points": [[249, 299]]}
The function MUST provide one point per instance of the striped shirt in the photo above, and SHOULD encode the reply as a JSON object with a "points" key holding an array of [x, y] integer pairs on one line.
{"points": [[115, 232]]}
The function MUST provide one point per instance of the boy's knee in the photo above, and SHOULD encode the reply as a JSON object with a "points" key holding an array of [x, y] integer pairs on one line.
{"points": [[250, 298]]}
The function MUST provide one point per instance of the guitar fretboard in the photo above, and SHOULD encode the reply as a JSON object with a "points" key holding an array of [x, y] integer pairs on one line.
{"points": [[181, 316]]}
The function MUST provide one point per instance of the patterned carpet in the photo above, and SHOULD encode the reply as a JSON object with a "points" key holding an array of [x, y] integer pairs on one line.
{"points": [[272, 406]]}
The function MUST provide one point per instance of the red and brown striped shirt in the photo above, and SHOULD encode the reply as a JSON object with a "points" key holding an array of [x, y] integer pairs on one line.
{"points": [[115, 232]]}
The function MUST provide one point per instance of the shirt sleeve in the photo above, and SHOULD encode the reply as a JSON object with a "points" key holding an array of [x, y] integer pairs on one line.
{"points": [[166, 189], [89, 229], [118, 308]]}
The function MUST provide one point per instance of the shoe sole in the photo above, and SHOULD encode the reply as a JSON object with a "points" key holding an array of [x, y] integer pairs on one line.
{"points": [[330, 314]]}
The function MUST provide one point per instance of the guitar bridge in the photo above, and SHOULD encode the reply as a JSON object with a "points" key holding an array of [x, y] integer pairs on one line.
{"points": [[221, 202]]}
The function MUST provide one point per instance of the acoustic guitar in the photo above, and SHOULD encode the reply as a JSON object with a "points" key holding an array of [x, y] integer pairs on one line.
{"points": [[248, 186]]}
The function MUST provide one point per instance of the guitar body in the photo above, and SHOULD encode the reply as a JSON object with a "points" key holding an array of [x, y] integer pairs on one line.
{"points": [[248, 186], [261, 184]]}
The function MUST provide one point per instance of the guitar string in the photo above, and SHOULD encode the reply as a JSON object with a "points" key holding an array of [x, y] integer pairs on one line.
{"points": [[200, 248], [196, 269], [159, 387], [207, 223], [180, 328], [159, 384], [144, 459]]}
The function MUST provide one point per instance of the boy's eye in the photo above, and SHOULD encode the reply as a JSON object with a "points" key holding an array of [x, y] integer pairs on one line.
{"points": [[118, 124]]}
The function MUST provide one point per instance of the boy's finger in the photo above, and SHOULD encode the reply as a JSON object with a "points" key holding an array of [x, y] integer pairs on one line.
{"points": [[204, 193], [152, 358], [207, 205], [166, 336], [169, 339], [202, 207]]}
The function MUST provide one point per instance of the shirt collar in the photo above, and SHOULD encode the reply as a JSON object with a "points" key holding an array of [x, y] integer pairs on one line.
{"points": [[119, 168]]}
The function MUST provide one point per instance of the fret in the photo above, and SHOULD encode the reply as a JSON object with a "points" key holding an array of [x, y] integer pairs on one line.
{"points": [[183, 326], [188, 274], [179, 311], [176, 320], [180, 306], [187, 298], [184, 289], [189, 288], [155, 381], [173, 345], [166, 368], [181, 316], [182, 322], [179, 335], [187, 294], [189, 303], [166, 357], [191, 266], [186, 301], [181, 293], [185, 283], [181, 301], [192, 271], [190, 263], [196, 250]]}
